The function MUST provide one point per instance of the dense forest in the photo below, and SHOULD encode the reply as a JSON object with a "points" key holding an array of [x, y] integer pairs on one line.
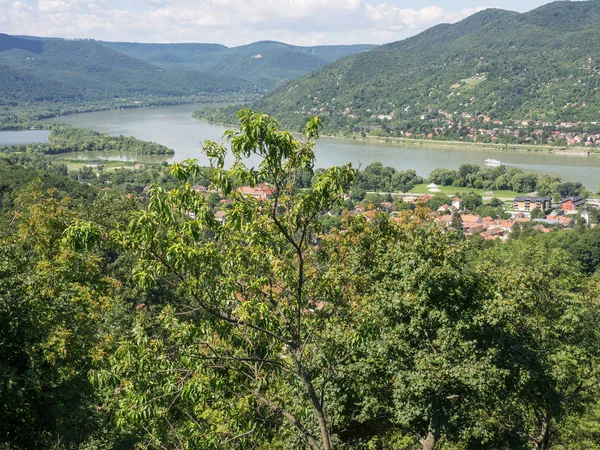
{"points": [[38, 71], [264, 64], [486, 71], [146, 322]]}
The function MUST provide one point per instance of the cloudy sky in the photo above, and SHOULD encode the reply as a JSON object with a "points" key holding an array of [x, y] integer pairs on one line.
{"points": [[235, 22]]}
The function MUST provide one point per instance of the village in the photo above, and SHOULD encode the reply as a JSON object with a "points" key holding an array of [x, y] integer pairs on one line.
{"points": [[537, 213], [484, 129], [562, 216], [469, 127]]}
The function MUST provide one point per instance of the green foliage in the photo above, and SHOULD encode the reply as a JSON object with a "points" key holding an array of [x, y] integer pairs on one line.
{"points": [[130, 322], [377, 178], [261, 313], [358, 194], [584, 247], [423, 335], [441, 176], [487, 210], [65, 138], [472, 201], [54, 307], [537, 213], [438, 200], [14, 177], [501, 178], [549, 314]]}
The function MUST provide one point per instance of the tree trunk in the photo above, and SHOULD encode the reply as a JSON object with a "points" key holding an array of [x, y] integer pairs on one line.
{"points": [[309, 438], [39, 424], [542, 442], [429, 442], [325, 437]]}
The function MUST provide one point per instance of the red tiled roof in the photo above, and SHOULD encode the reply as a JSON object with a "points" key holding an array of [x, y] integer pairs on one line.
{"points": [[471, 218]]}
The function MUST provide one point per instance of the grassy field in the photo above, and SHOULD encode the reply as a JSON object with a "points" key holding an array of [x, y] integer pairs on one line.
{"points": [[463, 145], [75, 164], [452, 190]]}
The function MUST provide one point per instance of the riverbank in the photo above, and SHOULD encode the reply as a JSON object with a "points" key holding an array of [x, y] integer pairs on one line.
{"points": [[18, 118], [458, 145], [450, 145]]}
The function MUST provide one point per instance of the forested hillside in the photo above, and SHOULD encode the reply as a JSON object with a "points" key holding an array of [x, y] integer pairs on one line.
{"points": [[57, 70], [495, 66], [265, 64]]}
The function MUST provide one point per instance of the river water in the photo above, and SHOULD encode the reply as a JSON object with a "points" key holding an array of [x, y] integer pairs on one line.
{"points": [[23, 137], [174, 127]]}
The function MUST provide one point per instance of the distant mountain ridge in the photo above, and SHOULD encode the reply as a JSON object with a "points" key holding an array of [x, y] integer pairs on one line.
{"points": [[496, 65], [264, 64], [38, 70]]}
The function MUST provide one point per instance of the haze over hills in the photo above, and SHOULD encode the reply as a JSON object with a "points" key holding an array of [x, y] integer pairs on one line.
{"points": [[496, 65], [39, 70], [265, 64], [57, 70]]}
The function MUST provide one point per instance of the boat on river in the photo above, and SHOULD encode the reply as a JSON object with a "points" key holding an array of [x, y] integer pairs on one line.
{"points": [[492, 162]]}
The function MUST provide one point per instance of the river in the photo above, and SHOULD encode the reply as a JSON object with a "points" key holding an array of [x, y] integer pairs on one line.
{"points": [[23, 137], [174, 127]]}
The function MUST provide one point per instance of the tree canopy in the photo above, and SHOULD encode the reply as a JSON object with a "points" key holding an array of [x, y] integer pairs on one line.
{"points": [[159, 323]]}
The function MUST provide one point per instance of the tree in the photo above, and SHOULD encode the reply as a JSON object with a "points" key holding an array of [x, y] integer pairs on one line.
{"points": [[457, 222], [424, 363], [471, 201], [442, 176], [404, 181], [438, 200], [523, 182], [54, 306], [537, 213], [467, 174], [496, 202], [586, 249], [262, 303], [548, 314], [547, 185], [213, 199], [375, 335], [569, 189], [357, 194]]}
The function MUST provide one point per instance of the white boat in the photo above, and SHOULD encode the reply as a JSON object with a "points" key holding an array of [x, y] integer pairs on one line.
{"points": [[492, 162]]}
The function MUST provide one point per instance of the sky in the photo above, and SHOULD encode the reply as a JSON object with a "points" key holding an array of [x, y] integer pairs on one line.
{"points": [[238, 22]]}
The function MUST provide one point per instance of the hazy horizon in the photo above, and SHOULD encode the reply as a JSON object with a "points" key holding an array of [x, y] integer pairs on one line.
{"points": [[239, 22]]}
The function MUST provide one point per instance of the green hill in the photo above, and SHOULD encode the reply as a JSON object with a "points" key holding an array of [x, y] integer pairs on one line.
{"points": [[57, 70], [265, 64], [171, 56], [495, 65]]}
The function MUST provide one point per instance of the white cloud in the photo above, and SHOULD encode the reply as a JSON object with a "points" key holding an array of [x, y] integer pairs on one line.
{"points": [[232, 22], [387, 18], [54, 6]]}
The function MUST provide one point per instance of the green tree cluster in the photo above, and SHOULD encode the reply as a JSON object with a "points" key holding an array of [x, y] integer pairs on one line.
{"points": [[501, 178]]}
